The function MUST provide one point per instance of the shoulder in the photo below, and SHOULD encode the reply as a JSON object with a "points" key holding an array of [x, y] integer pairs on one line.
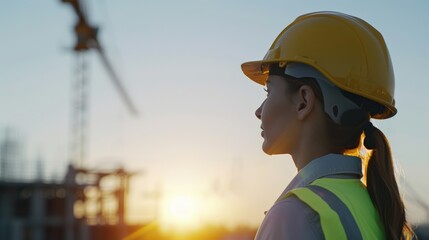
{"points": [[290, 219]]}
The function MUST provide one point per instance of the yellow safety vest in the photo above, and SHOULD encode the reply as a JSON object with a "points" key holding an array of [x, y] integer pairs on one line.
{"points": [[353, 195]]}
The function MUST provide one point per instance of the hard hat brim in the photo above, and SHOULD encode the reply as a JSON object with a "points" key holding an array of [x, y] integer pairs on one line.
{"points": [[257, 71], [254, 70]]}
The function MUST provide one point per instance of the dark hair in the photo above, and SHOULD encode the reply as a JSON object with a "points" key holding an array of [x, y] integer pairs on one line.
{"points": [[379, 173]]}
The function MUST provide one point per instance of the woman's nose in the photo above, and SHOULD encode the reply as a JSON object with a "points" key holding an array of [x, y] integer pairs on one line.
{"points": [[259, 111]]}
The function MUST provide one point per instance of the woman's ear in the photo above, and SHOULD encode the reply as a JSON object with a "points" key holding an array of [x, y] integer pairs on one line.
{"points": [[305, 101]]}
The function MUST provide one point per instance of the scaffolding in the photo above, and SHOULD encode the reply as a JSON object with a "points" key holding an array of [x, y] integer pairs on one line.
{"points": [[88, 204]]}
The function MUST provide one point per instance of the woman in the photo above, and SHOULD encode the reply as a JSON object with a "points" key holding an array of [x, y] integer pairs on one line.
{"points": [[327, 74]]}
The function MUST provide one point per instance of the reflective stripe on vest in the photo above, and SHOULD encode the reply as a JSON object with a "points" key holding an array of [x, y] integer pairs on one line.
{"points": [[329, 220], [347, 211], [347, 220]]}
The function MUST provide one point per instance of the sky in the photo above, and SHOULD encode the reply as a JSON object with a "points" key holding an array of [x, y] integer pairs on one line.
{"points": [[196, 136]]}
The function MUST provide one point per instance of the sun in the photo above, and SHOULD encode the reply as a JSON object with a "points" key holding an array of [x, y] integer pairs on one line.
{"points": [[182, 212]]}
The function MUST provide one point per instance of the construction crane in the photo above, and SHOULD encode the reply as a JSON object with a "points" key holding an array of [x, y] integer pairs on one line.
{"points": [[86, 40]]}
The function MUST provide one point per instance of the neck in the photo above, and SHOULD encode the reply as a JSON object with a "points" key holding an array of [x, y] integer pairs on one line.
{"points": [[311, 145]]}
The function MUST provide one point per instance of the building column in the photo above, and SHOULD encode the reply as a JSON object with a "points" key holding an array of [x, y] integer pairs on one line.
{"points": [[38, 216]]}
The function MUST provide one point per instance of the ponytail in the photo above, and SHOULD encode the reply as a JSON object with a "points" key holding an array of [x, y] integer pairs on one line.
{"points": [[382, 186], [379, 170]]}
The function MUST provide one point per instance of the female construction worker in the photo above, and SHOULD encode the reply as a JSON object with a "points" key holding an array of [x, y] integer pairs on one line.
{"points": [[326, 75]]}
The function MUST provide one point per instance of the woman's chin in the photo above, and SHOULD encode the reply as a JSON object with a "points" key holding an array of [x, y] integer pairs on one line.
{"points": [[271, 150], [268, 149]]}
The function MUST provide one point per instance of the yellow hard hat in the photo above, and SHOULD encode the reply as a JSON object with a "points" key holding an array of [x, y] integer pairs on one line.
{"points": [[345, 49]]}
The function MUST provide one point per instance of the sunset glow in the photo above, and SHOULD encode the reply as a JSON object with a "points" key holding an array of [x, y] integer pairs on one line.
{"points": [[182, 212]]}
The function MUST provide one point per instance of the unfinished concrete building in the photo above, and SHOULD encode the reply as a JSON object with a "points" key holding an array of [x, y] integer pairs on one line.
{"points": [[85, 205]]}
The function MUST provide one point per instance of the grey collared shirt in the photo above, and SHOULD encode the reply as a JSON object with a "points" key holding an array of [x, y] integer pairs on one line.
{"points": [[292, 219]]}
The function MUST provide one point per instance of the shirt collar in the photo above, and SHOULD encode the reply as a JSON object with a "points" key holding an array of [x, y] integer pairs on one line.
{"points": [[331, 164]]}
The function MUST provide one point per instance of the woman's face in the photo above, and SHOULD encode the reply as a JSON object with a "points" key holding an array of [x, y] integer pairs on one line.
{"points": [[278, 116]]}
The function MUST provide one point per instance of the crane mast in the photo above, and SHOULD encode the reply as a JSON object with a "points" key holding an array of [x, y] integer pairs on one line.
{"points": [[86, 39]]}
